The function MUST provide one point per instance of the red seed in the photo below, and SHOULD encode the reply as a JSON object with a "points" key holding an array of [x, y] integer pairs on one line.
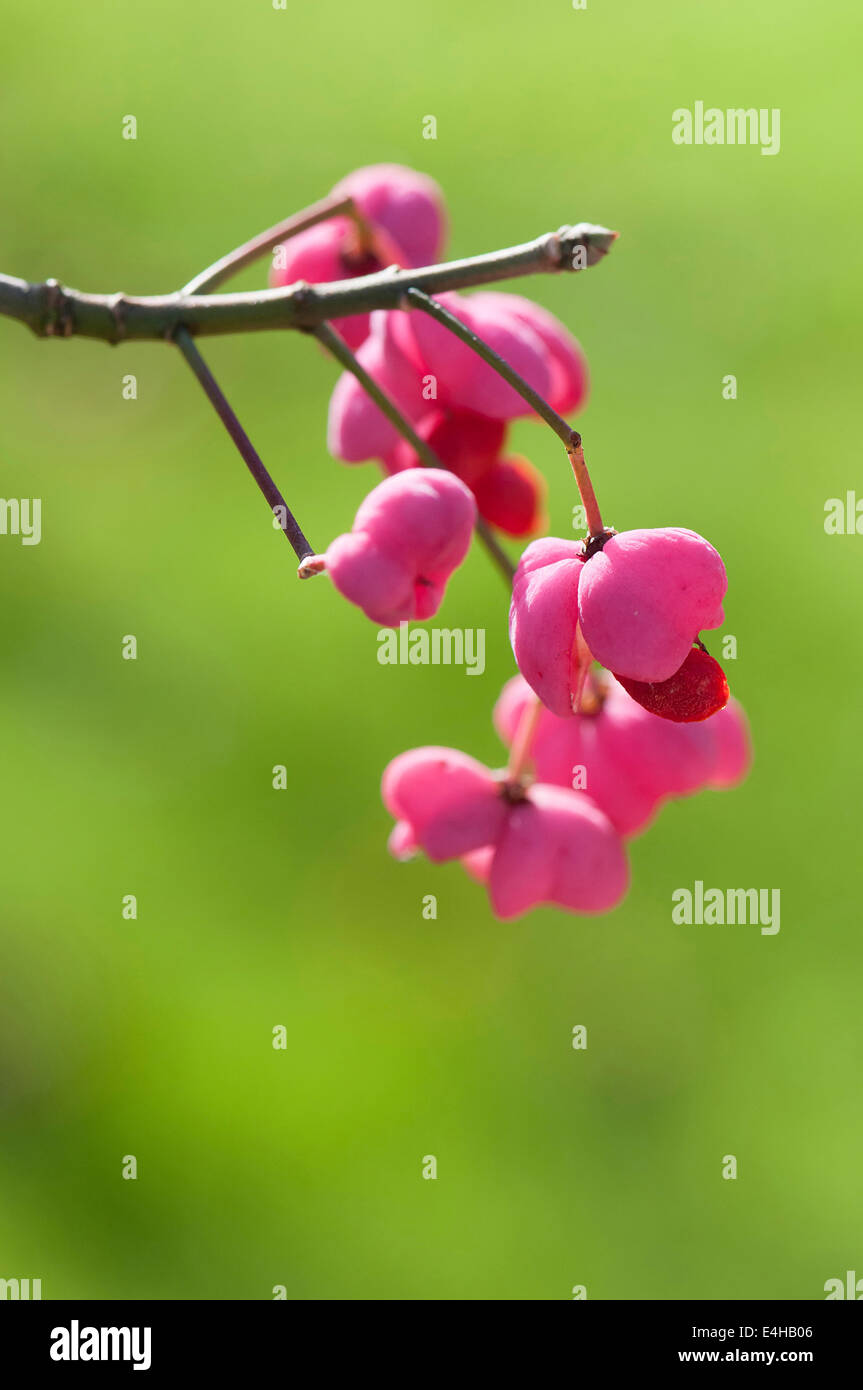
{"points": [[466, 443], [511, 495], [696, 691]]}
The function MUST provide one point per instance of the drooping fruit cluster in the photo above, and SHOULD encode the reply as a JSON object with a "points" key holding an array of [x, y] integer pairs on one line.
{"points": [[618, 706], [542, 844], [458, 405]]}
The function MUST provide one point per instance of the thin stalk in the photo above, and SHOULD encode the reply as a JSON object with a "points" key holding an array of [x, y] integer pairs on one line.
{"points": [[585, 487], [252, 459], [257, 246], [523, 741], [460, 330]]}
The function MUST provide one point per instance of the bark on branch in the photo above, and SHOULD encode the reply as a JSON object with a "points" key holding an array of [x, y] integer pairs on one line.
{"points": [[52, 310]]}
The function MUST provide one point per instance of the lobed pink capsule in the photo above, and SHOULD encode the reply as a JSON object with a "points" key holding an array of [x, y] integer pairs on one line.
{"points": [[410, 533]]}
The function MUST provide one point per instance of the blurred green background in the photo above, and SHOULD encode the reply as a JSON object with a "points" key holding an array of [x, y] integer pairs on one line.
{"points": [[257, 907]]}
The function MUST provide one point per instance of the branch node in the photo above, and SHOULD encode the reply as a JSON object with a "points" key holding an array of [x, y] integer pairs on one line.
{"points": [[555, 252], [59, 321], [116, 304], [303, 295]]}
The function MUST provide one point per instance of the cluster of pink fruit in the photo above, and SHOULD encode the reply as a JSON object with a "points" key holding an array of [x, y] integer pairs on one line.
{"points": [[594, 752], [458, 405]]}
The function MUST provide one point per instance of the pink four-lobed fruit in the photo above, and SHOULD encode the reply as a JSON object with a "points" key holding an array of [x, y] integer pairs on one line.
{"points": [[409, 534], [646, 595], [629, 761], [404, 212], [636, 604], [545, 844]]}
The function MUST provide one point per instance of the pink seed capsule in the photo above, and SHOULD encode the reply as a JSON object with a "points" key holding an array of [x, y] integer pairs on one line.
{"points": [[409, 535], [530, 845]]}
